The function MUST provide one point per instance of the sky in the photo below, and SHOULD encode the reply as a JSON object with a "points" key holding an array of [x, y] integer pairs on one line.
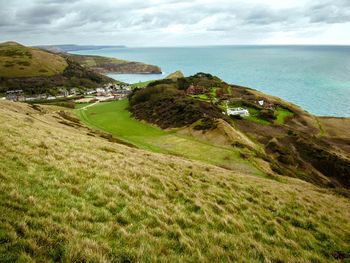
{"points": [[175, 22]]}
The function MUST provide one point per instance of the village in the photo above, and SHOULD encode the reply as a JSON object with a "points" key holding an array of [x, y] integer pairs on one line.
{"points": [[107, 92], [113, 91]]}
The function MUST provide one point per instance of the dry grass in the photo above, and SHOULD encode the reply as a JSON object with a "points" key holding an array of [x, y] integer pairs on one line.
{"points": [[70, 197], [20, 61], [335, 127]]}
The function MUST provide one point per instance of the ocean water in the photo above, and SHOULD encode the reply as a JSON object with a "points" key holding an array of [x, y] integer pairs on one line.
{"points": [[317, 78]]}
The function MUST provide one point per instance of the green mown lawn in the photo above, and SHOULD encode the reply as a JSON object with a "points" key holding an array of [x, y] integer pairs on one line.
{"points": [[113, 117]]}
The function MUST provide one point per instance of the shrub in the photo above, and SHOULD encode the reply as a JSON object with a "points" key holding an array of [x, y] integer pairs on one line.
{"points": [[167, 106], [267, 114]]}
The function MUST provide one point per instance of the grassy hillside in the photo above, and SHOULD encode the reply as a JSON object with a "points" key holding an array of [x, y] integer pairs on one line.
{"points": [[113, 65], [93, 61], [287, 139], [113, 117], [20, 61], [37, 71], [68, 195]]}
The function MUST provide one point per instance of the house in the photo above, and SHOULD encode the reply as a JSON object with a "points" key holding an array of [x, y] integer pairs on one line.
{"points": [[101, 92], [31, 98], [42, 96], [238, 111], [265, 104], [73, 91], [62, 94], [89, 92], [15, 95]]}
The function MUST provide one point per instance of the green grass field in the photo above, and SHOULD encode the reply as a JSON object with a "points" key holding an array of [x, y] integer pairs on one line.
{"points": [[113, 117]]}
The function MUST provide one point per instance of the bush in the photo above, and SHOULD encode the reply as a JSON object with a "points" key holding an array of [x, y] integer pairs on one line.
{"points": [[167, 106], [206, 124], [267, 114]]}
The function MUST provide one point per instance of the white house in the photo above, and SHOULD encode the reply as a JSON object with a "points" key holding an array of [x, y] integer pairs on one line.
{"points": [[237, 111], [101, 92], [89, 92]]}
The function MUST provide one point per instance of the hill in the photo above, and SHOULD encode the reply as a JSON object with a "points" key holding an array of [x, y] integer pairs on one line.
{"points": [[69, 195], [114, 118], [72, 47], [20, 61], [105, 65], [175, 75], [102, 64], [37, 71], [291, 141]]}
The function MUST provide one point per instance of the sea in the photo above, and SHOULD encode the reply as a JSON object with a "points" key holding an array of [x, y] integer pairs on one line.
{"points": [[317, 78]]}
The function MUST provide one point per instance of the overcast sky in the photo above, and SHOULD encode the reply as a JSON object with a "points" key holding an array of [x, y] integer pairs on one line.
{"points": [[175, 22]]}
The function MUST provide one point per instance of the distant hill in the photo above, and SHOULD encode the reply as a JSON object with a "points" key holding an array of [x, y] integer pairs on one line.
{"points": [[175, 75], [101, 64], [106, 65], [19, 61], [72, 47], [283, 138], [38, 71]]}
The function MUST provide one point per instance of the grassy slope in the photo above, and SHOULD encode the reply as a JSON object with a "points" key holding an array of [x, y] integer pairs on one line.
{"points": [[20, 61], [335, 127], [114, 117], [282, 114], [107, 64], [92, 61], [141, 84], [66, 196], [175, 75]]}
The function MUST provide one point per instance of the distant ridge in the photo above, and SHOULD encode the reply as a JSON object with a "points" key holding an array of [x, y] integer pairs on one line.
{"points": [[37, 71], [73, 47], [10, 43]]}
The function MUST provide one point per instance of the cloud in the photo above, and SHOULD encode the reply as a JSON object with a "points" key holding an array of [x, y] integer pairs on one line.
{"points": [[330, 12], [176, 21]]}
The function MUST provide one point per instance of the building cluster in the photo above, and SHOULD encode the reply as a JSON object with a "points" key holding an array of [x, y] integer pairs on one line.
{"points": [[108, 91], [19, 95]]}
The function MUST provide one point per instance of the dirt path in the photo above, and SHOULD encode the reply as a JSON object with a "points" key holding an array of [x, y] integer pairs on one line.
{"points": [[87, 106]]}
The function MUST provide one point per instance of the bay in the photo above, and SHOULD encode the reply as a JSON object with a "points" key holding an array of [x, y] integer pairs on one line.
{"points": [[317, 78]]}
